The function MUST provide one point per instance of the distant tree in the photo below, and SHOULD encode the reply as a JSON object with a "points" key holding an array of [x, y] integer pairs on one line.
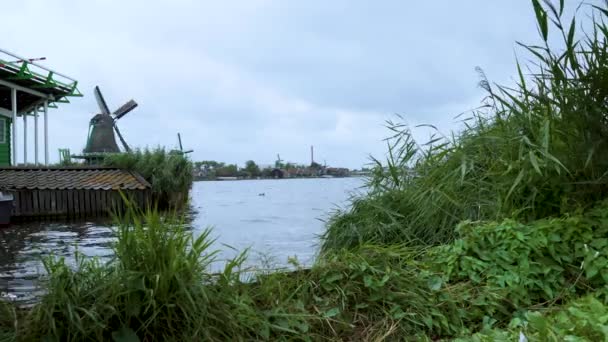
{"points": [[230, 170], [252, 168], [207, 169], [266, 172], [207, 165]]}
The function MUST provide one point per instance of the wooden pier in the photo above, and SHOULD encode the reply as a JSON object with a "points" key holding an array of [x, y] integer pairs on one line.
{"points": [[72, 192]]}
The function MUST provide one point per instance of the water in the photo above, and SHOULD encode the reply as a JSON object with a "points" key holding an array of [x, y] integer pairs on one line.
{"points": [[276, 219]]}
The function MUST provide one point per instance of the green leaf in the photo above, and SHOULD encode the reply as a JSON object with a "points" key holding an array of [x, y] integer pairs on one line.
{"points": [[520, 176], [331, 312], [265, 332], [125, 334], [554, 237], [368, 281], [435, 283], [534, 162], [522, 79], [333, 278], [604, 274], [541, 19], [570, 41], [599, 243], [591, 271], [603, 10]]}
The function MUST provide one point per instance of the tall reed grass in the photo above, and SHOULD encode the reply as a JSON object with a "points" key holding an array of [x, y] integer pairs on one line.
{"points": [[533, 150], [170, 174]]}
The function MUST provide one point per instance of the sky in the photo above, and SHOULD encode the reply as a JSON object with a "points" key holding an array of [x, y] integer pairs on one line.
{"points": [[251, 79]]}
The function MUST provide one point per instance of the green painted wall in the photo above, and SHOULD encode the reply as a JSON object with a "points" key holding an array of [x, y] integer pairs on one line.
{"points": [[5, 146]]}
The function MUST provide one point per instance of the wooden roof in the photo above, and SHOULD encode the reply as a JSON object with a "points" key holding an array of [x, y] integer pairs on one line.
{"points": [[68, 178]]}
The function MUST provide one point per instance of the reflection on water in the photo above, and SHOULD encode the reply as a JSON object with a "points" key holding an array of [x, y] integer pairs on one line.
{"points": [[23, 246], [285, 222]]}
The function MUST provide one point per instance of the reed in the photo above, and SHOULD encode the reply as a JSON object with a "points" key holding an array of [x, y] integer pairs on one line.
{"points": [[531, 151], [170, 174]]}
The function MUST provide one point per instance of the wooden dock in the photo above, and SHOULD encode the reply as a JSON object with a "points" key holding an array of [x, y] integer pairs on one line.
{"points": [[72, 192]]}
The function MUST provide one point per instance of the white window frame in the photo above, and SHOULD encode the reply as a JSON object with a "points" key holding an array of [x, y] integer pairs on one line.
{"points": [[3, 130]]}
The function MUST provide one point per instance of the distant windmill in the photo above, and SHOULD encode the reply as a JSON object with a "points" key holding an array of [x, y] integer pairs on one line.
{"points": [[278, 163], [181, 148]]}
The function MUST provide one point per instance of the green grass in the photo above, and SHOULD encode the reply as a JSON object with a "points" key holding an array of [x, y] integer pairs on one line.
{"points": [[495, 276]]}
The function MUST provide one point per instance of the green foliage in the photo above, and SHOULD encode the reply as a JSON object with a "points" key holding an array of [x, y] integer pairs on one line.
{"points": [[584, 319], [230, 170], [153, 287], [170, 174], [209, 169], [496, 275], [528, 265], [532, 151], [8, 322], [252, 169]]}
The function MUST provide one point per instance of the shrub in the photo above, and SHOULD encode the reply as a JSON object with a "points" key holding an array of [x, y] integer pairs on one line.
{"points": [[583, 319], [170, 174]]}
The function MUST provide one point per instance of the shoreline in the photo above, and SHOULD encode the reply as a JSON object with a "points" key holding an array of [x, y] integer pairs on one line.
{"points": [[228, 179]]}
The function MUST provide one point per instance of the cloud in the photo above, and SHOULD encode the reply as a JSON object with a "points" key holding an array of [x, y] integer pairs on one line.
{"points": [[249, 79]]}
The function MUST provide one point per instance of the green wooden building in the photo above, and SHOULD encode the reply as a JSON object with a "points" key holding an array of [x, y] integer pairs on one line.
{"points": [[27, 91], [5, 141]]}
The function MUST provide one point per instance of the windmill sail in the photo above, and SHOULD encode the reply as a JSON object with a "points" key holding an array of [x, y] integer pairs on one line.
{"points": [[124, 109], [122, 140], [101, 102]]}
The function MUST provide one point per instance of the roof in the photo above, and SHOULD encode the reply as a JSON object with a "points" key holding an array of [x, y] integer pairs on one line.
{"points": [[66, 178], [46, 83]]}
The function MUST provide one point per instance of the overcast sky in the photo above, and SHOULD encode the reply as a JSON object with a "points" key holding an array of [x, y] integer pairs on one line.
{"points": [[252, 78]]}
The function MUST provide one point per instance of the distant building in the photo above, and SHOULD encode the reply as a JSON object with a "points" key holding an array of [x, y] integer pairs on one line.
{"points": [[337, 171]]}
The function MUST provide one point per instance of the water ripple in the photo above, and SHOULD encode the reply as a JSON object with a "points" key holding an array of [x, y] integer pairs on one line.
{"points": [[282, 224]]}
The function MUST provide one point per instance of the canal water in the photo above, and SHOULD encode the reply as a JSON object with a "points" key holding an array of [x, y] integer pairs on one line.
{"points": [[275, 219]]}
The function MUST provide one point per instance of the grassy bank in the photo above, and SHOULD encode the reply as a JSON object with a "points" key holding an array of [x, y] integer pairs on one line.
{"points": [[170, 174], [497, 278], [533, 150], [498, 231]]}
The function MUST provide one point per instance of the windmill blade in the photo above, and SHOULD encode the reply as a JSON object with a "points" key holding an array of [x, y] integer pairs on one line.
{"points": [[189, 151], [122, 140], [124, 109], [179, 138], [103, 106]]}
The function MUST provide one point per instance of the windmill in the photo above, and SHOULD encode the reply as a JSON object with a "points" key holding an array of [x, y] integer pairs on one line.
{"points": [[278, 164], [102, 126], [181, 148]]}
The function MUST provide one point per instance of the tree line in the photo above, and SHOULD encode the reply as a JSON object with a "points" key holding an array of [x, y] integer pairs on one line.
{"points": [[211, 169]]}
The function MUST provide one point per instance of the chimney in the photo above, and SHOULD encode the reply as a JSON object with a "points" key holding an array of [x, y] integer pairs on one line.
{"points": [[312, 155]]}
